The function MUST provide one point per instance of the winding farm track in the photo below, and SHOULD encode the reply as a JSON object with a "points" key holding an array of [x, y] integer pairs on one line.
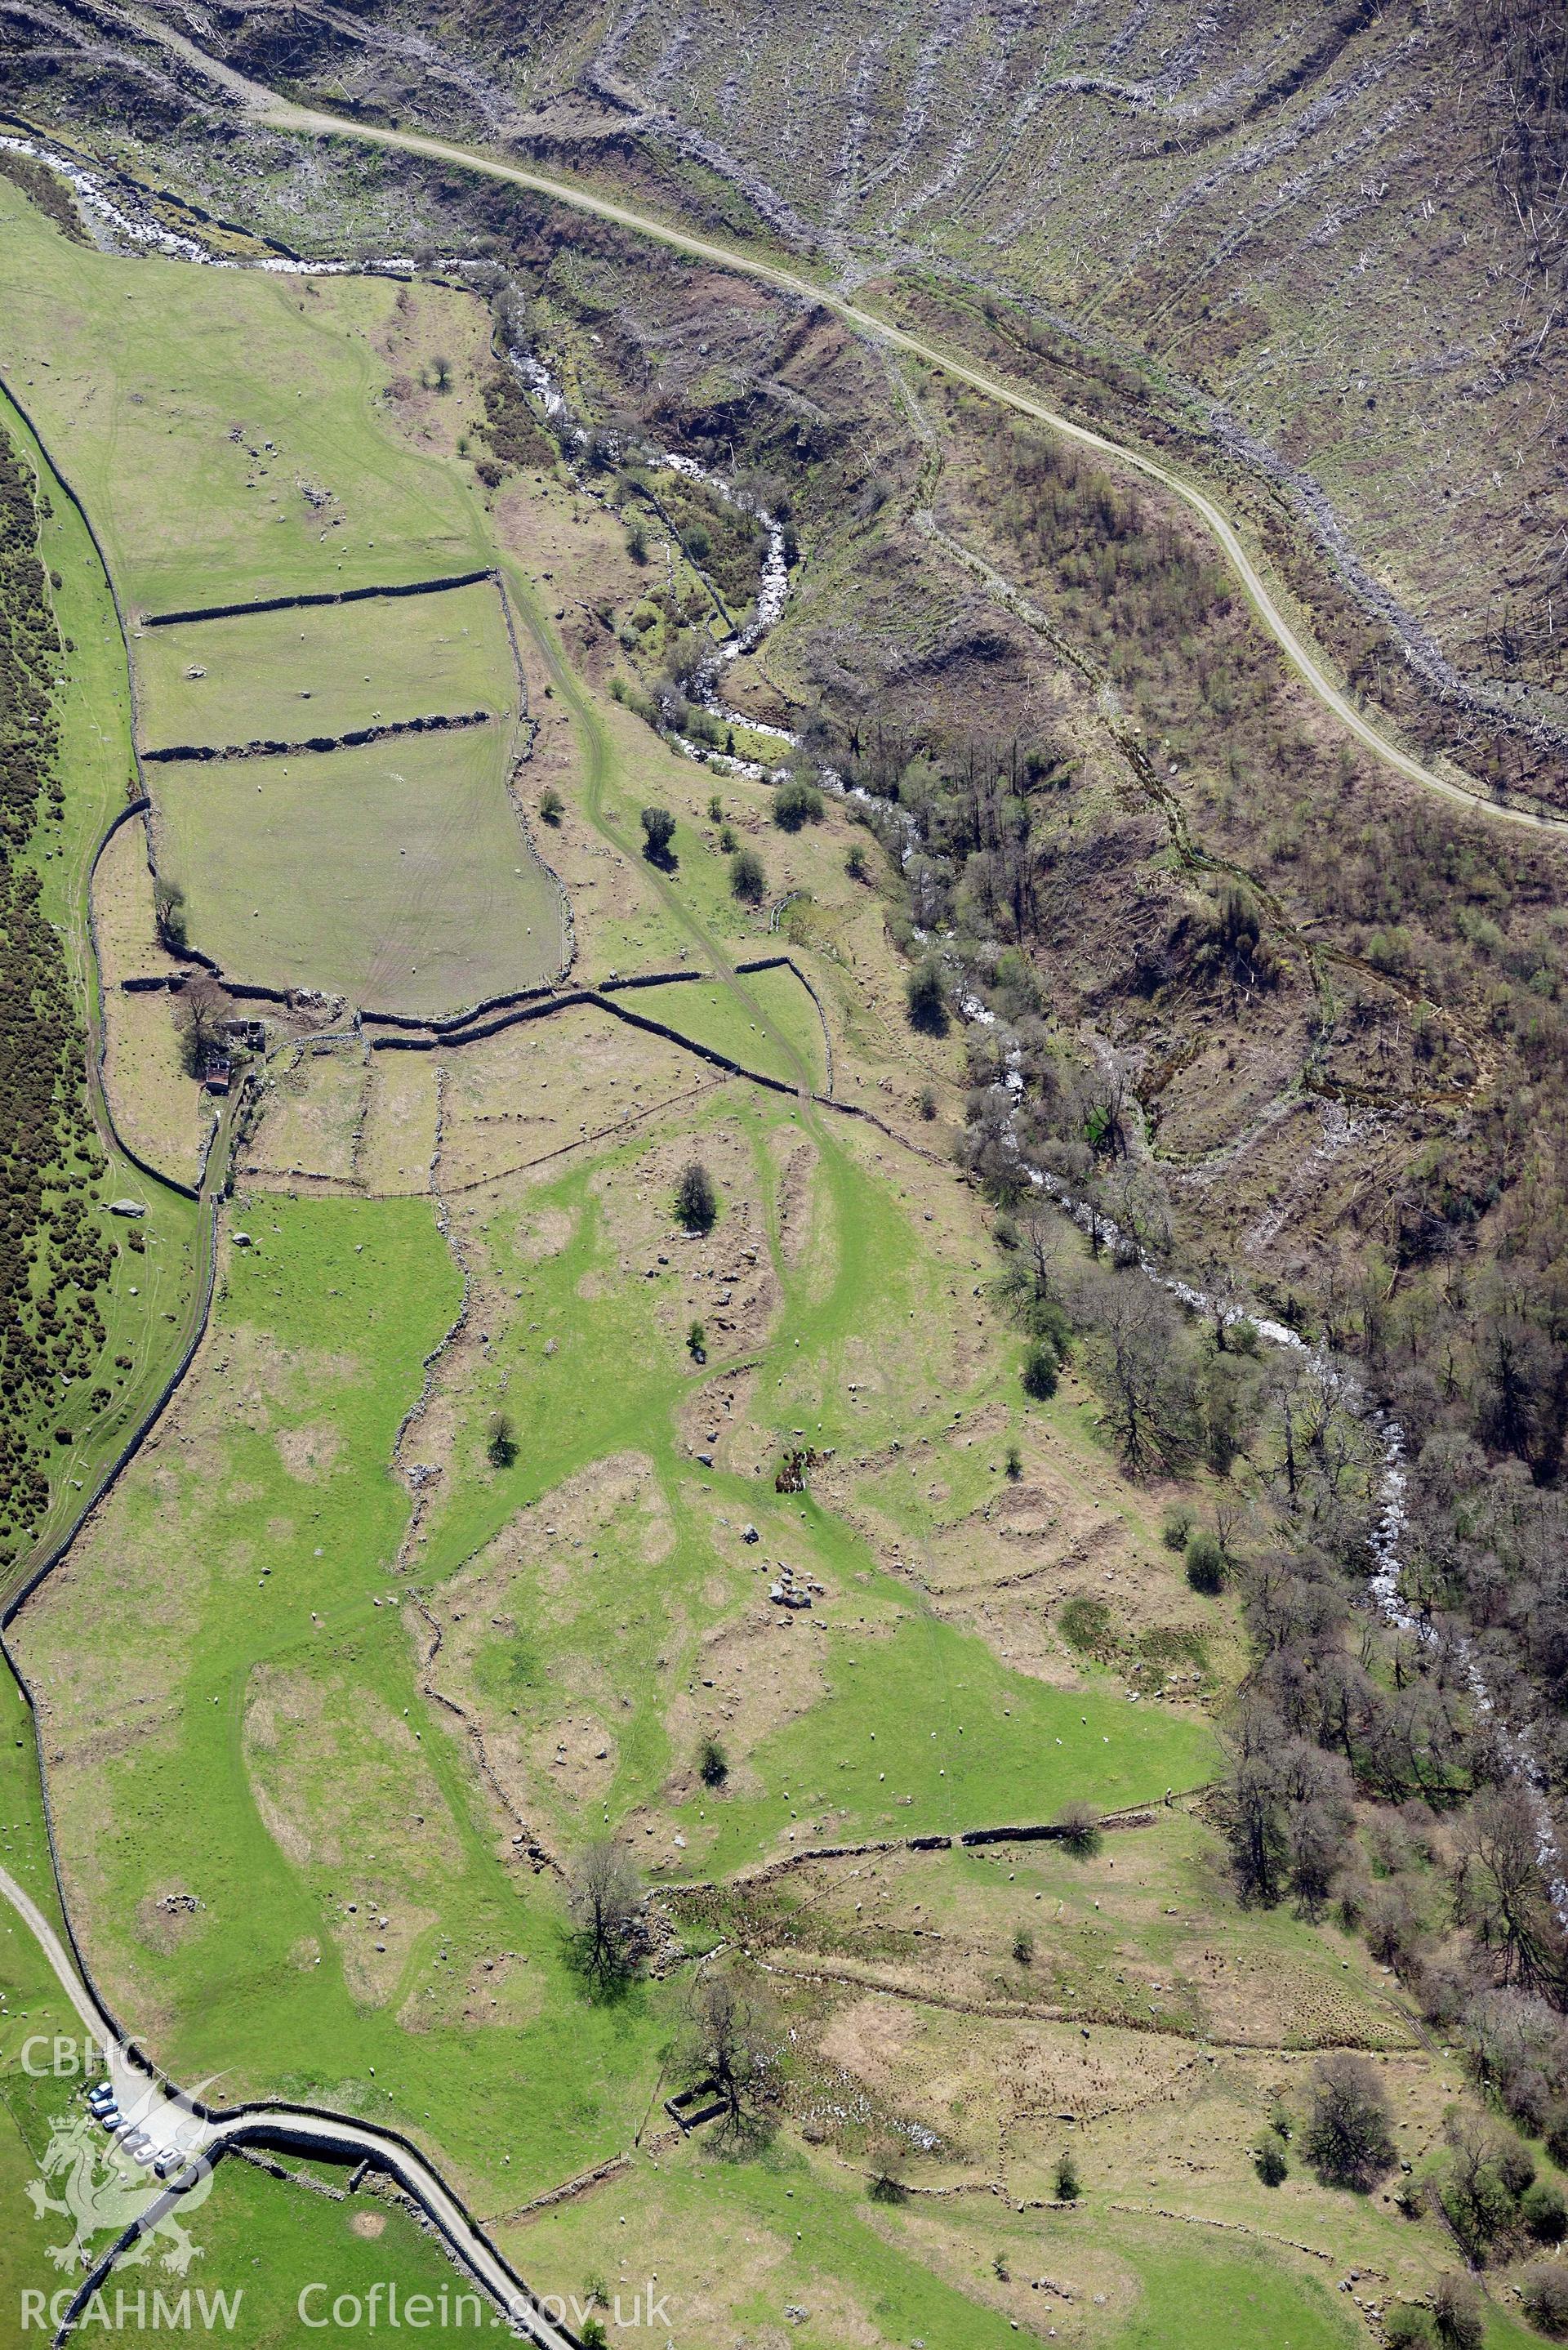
{"points": [[207, 2133], [277, 113]]}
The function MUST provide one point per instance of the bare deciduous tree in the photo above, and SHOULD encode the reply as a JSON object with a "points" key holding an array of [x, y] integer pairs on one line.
{"points": [[201, 1008], [1139, 1364], [1079, 1823], [604, 1900], [734, 2044], [1499, 1893]]}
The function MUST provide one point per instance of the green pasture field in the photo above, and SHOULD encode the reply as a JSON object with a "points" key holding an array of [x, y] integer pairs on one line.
{"points": [[140, 373], [226, 1577], [281, 676], [615, 1379], [1202, 2291], [33, 2005], [270, 2241], [396, 874], [871, 1291], [220, 1600], [259, 2240], [1216, 2296], [922, 1732], [614, 1383], [151, 1300], [785, 1042]]}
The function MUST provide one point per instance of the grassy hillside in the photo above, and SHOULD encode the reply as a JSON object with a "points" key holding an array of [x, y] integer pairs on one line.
{"points": [[222, 425], [129, 1294], [467, 1539]]}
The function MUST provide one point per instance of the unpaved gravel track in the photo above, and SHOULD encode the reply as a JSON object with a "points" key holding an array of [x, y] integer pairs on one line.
{"points": [[264, 106]]}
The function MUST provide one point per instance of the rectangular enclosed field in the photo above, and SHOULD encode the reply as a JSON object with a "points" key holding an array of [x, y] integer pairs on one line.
{"points": [[396, 875], [325, 669]]}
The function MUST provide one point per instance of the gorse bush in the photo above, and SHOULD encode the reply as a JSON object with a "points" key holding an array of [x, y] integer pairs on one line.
{"points": [[1206, 1568], [796, 803], [1457, 2314], [1543, 2289], [748, 877], [54, 1256], [1405, 2325], [1544, 2212]]}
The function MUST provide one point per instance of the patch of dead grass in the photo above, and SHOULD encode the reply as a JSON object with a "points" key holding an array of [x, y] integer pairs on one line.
{"points": [[313, 1117], [339, 1778], [399, 1132], [546, 1087]]}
